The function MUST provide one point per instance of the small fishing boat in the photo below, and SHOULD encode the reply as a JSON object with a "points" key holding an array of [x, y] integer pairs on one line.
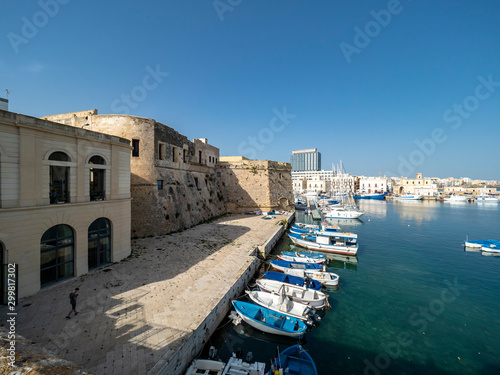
{"points": [[342, 212], [294, 361], [409, 197], [325, 278], [295, 256], [311, 297], [292, 280], [270, 321], [205, 366], [486, 199], [236, 366], [493, 246], [281, 265], [281, 303], [338, 242], [457, 198]]}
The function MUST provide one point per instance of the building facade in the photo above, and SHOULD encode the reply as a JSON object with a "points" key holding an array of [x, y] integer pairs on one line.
{"points": [[64, 200], [373, 184], [173, 180], [306, 160], [420, 185]]}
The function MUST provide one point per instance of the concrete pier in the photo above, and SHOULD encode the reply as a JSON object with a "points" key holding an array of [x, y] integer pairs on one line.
{"points": [[152, 313]]}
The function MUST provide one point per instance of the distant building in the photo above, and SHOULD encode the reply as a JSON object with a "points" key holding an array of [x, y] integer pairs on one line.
{"points": [[306, 160], [64, 201], [420, 185], [373, 184], [4, 104], [312, 180]]}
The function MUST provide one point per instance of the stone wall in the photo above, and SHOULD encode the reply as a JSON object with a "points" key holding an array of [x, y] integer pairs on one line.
{"points": [[249, 185], [173, 183]]}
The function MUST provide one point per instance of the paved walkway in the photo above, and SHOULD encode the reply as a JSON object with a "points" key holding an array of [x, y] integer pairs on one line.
{"points": [[148, 304]]}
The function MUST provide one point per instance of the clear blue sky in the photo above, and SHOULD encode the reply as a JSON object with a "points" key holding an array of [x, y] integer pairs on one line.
{"points": [[362, 81]]}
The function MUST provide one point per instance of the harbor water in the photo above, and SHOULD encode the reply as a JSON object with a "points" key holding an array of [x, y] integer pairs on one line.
{"points": [[413, 300]]}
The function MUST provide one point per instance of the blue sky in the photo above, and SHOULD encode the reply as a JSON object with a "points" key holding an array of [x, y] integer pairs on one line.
{"points": [[391, 87]]}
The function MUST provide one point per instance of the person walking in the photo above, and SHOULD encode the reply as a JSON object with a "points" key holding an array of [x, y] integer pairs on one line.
{"points": [[72, 299]]}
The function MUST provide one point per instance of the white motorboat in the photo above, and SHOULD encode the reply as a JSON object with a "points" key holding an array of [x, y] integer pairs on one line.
{"points": [[457, 198], [311, 297], [342, 212], [325, 278], [327, 242], [486, 199], [281, 303]]}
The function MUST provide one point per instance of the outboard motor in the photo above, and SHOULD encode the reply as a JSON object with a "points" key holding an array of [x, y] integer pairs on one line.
{"points": [[212, 352], [238, 353], [249, 357]]}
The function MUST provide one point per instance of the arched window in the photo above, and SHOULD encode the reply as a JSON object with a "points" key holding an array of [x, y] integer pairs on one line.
{"points": [[99, 243], [56, 254], [97, 178], [59, 178]]}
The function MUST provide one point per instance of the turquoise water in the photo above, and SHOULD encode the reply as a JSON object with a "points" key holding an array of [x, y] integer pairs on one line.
{"points": [[414, 303]]}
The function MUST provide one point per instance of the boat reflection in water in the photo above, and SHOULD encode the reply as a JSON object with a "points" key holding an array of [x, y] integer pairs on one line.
{"points": [[342, 262], [342, 222]]}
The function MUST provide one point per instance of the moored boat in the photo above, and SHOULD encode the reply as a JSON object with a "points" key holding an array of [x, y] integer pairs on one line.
{"points": [[236, 366], [338, 243], [292, 280], [486, 199], [342, 212], [281, 265], [457, 198], [281, 303], [377, 196], [325, 278], [270, 321], [311, 297], [409, 197], [305, 254], [205, 366], [294, 360]]}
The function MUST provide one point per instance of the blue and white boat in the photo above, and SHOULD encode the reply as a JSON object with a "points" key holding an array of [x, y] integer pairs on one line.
{"points": [[493, 246], [294, 361], [270, 321], [336, 242], [281, 265], [304, 257], [311, 297], [292, 280], [409, 197], [377, 196], [486, 199]]}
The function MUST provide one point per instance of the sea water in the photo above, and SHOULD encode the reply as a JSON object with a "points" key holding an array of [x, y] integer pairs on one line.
{"points": [[413, 300]]}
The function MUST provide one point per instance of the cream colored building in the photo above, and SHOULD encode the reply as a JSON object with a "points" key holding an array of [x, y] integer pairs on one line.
{"points": [[419, 185], [64, 200]]}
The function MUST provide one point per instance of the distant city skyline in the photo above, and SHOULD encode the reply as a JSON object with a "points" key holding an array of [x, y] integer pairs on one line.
{"points": [[395, 87]]}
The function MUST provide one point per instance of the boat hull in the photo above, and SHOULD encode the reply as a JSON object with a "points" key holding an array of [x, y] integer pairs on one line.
{"points": [[296, 359], [270, 320], [333, 249], [313, 298]]}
